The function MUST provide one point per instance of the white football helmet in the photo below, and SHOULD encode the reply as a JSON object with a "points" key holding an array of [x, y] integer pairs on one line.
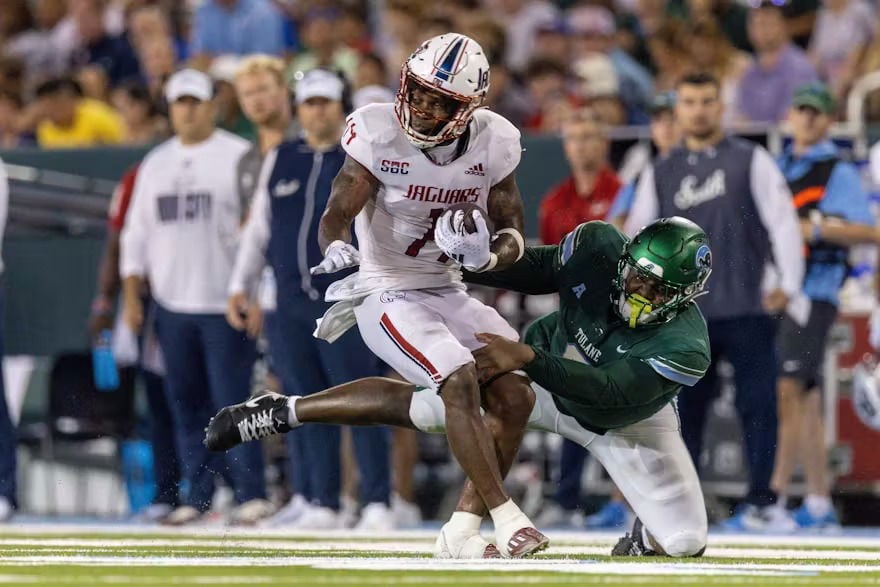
{"points": [[865, 394], [453, 66]]}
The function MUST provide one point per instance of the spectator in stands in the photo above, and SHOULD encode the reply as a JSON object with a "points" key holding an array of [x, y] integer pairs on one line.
{"points": [[521, 19], [867, 62], [711, 51], [307, 365], [323, 46], [370, 82], [634, 30], [11, 113], [664, 136], [600, 88], [593, 31], [44, 48], [150, 22], [778, 67], [800, 20], [181, 234], [229, 114], [638, 158], [507, 97], [552, 41], [401, 35], [353, 32], [97, 47], [834, 215], [588, 192], [236, 27], [671, 53], [8, 441], [158, 63], [547, 84], [143, 121], [843, 28], [734, 190], [731, 16], [486, 30], [161, 424], [67, 119], [15, 19]]}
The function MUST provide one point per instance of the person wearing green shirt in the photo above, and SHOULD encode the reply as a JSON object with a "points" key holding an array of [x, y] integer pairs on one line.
{"points": [[605, 371]]}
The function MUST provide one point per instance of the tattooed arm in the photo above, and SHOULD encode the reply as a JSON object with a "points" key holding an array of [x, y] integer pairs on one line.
{"points": [[506, 212], [353, 187]]}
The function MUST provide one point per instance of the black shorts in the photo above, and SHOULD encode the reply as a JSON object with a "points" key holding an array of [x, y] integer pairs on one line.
{"points": [[802, 348]]}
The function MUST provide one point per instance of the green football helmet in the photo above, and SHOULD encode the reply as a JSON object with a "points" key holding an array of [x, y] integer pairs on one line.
{"points": [[674, 255]]}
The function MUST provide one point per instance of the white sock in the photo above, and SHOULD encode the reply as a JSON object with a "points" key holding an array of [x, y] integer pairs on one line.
{"points": [[506, 513], [464, 523], [818, 505], [292, 420]]}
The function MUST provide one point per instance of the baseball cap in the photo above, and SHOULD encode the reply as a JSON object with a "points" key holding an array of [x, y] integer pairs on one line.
{"points": [[597, 75], [319, 83], [189, 82], [592, 20], [224, 67], [662, 102], [814, 95]]}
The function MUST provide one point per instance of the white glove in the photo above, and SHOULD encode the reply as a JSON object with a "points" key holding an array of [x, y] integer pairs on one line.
{"points": [[471, 250], [874, 332], [338, 256]]}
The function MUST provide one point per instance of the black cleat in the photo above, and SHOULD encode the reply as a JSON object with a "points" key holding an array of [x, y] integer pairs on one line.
{"points": [[632, 544], [254, 419]]}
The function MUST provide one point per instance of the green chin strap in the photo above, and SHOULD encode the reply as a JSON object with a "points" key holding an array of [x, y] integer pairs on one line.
{"points": [[638, 306]]}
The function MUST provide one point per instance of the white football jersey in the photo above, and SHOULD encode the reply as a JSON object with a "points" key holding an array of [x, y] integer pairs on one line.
{"points": [[395, 231]]}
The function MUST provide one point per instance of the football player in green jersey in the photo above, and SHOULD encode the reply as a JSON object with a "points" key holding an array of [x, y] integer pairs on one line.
{"points": [[605, 367]]}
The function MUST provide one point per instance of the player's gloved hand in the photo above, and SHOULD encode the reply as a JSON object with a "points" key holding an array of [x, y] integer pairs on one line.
{"points": [[471, 250], [338, 256], [874, 332]]}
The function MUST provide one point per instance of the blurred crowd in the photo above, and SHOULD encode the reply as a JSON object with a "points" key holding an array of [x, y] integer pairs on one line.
{"points": [[88, 72]]}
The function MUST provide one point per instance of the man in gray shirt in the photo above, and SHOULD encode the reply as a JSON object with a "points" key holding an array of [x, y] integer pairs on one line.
{"points": [[734, 190]]}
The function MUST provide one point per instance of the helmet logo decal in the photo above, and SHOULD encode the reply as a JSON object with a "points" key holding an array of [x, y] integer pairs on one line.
{"points": [[703, 259], [447, 65], [650, 267], [483, 79]]}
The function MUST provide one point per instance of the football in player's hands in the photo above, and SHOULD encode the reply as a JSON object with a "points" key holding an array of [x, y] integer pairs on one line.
{"points": [[470, 225]]}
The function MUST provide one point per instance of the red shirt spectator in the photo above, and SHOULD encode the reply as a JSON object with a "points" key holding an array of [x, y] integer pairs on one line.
{"points": [[563, 208]]}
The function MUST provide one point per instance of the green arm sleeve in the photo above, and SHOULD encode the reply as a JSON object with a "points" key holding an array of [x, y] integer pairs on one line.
{"points": [[627, 382], [534, 274]]}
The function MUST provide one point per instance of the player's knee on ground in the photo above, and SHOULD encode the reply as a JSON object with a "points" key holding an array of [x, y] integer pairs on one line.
{"points": [[684, 543], [460, 391], [510, 399], [427, 412]]}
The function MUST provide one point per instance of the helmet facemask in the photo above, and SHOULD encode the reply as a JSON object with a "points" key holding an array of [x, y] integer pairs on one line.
{"points": [[637, 310], [446, 129]]}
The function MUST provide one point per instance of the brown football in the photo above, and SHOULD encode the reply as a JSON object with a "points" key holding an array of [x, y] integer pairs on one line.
{"points": [[469, 224]]}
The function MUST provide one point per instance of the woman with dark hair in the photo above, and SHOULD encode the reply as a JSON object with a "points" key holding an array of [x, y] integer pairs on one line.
{"points": [[145, 122]]}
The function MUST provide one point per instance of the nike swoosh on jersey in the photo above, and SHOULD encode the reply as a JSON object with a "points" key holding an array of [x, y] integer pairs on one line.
{"points": [[621, 349]]}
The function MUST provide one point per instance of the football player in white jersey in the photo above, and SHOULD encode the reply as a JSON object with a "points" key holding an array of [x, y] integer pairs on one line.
{"points": [[406, 164]]}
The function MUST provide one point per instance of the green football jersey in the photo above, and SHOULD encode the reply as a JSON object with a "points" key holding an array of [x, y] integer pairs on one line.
{"points": [[600, 371]]}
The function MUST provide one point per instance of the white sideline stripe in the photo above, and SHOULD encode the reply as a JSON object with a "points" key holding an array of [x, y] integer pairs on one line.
{"points": [[427, 564], [557, 537], [88, 546]]}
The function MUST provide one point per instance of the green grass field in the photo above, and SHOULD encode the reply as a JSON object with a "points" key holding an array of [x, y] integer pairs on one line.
{"points": [[44, 555]]}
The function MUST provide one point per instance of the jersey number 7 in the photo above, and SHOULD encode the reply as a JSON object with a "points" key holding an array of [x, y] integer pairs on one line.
{"points": [[413, 249]]}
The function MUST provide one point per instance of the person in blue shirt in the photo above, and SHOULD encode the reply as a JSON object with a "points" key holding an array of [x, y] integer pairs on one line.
{"points": [[834, 215], [237, 27], [664, 136]]}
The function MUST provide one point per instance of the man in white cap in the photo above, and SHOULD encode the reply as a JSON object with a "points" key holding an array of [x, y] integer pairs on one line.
{"points": [[181, 236], [282, 232]]}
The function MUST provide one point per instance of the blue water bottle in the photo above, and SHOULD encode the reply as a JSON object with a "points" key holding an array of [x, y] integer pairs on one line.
{"points": [[103, 364]]}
